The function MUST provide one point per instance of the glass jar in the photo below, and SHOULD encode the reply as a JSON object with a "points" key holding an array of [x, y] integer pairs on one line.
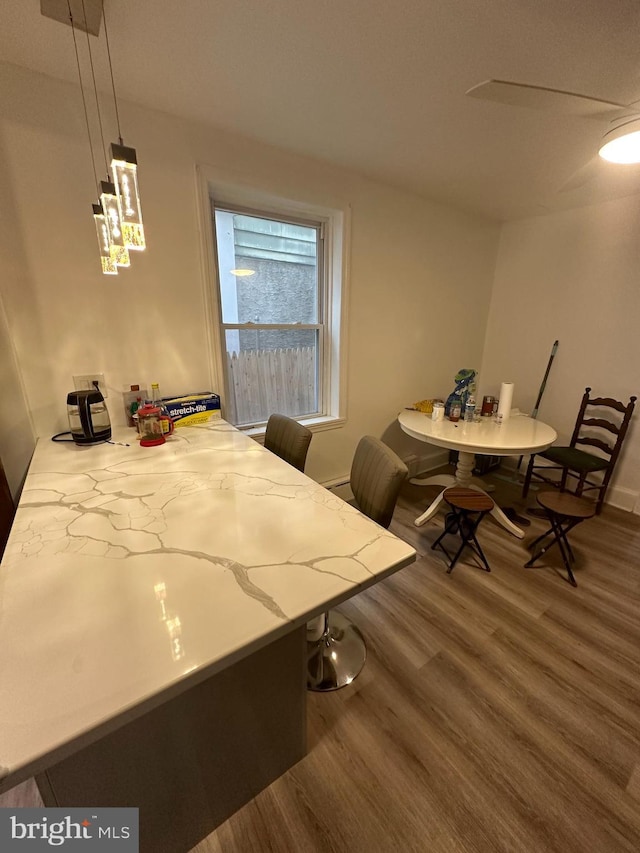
{"points": [[150, 426], [437, 413]]}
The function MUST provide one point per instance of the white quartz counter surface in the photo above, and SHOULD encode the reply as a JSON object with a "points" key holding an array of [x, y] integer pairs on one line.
{"points": [[132, 572]]}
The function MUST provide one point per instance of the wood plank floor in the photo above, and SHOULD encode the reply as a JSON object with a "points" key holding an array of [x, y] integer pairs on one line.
{"points": [[496, 712]]}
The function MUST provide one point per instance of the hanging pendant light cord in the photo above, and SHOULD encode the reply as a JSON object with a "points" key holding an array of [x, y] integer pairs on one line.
{"points": [[95, 90], [113, 85], [84, 102]]}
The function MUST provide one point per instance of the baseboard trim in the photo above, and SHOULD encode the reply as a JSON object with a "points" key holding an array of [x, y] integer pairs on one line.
{"points": [[417, 465], [623, 499]]}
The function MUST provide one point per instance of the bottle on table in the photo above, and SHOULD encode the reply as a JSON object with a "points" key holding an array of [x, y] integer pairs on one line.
{"points": [[470, 409], [156, 400], [129, 401], [138, 404]]}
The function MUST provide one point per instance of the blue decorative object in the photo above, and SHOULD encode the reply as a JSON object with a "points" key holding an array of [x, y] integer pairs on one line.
{"points": [[465, 387]]}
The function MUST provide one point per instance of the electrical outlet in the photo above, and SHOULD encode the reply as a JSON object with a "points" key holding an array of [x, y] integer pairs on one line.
{"points": [[84, 382]]}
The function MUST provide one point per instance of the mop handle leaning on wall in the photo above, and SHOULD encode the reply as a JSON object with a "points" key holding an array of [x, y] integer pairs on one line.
{"points": [[510, 512], [534, 412], [554, 350]]}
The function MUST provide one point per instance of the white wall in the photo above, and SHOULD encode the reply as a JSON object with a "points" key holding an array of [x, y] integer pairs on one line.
{"points": [[421, 273], [571, 276], [17, 439]]}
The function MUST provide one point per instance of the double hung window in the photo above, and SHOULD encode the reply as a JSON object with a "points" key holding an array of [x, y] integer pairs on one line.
{"points": [[278, 311]]}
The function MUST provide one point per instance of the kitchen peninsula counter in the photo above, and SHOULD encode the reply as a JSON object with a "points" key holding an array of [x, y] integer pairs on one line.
{"points": [[153, 610]]}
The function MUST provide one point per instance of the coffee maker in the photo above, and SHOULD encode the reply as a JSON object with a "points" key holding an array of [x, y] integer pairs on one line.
{"points": [[88, 417]]}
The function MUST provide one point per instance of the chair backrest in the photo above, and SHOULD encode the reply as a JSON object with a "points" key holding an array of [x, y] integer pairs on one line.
{"points": [[377, 474], [288, 439], [598, 425]]}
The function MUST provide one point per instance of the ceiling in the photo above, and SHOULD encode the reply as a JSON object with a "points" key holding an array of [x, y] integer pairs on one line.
{"points": [[377, 86]]}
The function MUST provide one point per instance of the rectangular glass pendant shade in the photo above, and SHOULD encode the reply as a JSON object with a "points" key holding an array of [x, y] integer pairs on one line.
{"points": [[111, 210], [124, 168], [108, 265]]}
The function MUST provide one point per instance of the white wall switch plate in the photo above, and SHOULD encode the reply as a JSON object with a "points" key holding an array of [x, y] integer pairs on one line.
{"points": [[84, 382]]}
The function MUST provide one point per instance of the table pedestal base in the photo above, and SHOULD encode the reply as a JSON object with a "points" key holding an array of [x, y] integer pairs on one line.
{"points": [[462, 478], [190, 763]]}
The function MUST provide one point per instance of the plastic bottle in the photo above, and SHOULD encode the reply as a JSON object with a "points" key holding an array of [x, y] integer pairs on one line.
{"points": [[129, 398], [156, 400], [470, 409], [135, 406]]}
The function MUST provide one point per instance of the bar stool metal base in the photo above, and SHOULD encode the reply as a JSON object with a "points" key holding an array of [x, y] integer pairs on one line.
{"points": [[337, 657], [564, 512], [468, 508]]}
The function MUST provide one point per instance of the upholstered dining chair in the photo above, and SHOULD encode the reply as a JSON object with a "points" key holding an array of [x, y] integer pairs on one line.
{"points": [[288, 439], [338, 656], [602, 424]]}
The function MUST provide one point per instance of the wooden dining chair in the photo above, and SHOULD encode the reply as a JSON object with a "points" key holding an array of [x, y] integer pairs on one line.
{"points": [[602, 424], [288, 439], [337, 657]]}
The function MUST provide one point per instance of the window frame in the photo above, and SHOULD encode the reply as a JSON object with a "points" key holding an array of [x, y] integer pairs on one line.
{"points": [[321, 287], [251, 196]]}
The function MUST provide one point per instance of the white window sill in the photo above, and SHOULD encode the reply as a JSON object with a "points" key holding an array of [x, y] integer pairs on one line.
{"points": [[316, 424]]}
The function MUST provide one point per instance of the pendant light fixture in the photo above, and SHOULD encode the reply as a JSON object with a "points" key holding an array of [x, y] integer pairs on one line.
{"points": [[111, 209], [102, 230], [124, 170], [107, 260], [117, 216]]}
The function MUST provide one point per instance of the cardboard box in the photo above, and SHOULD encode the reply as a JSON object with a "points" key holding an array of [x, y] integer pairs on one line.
{"points": [[200, 408]]}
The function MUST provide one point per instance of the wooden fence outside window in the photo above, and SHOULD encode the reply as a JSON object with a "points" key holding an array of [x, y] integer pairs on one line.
{"points": [[261, 382]]}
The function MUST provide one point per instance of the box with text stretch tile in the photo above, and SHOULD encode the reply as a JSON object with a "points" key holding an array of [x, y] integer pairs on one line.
{"points": [[193, 409]]}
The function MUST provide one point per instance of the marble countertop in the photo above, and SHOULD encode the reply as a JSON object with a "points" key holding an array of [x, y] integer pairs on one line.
{"points": [[131, 573]]}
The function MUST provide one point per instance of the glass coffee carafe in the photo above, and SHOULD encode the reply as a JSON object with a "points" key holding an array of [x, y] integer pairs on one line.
{"points": [[88, 417]]}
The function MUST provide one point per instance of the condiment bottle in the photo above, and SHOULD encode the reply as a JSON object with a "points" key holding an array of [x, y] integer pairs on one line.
{"points": [[470, 409], [129, 398], [134, 410], [167, 423]]}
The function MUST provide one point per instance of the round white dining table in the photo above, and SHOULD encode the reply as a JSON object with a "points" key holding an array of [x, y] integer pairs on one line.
{"points": [[518, 435]]}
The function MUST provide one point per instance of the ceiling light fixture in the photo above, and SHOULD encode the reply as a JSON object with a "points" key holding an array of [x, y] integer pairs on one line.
{"points": [[109, 266], [124, 170], [622, 144], [118, 216], [111, 210], [242, 273]]}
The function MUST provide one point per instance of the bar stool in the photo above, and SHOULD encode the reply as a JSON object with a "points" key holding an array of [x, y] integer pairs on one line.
{"points": [[564, 511], [468, 508]]}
